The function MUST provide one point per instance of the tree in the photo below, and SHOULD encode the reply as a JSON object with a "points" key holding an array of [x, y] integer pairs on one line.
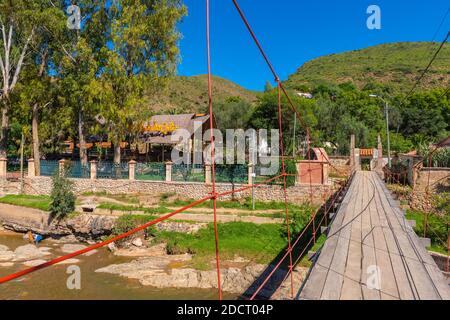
{"points": [[37, 91], [233, 113], [265, 115], [426, 113], [17, 26], [268, 86], [140, 50]]}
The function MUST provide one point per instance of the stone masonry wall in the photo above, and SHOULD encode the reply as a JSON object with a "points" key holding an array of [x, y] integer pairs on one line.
{"points": [[192, 190], [435, 176], [439, 181], [340, 166]]}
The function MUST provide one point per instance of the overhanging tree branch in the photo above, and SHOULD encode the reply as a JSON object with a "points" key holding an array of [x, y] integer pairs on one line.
{"points": [[20, 62]]}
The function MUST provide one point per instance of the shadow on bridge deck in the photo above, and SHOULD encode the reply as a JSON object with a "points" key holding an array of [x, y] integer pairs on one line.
{"points": [[298, 252]]}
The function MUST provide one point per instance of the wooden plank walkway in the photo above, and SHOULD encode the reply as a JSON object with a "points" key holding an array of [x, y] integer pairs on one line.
{"points": [[371, 253]]}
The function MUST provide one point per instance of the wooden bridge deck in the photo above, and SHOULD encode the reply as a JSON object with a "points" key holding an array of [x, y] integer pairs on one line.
{"points": [[372, 253]]}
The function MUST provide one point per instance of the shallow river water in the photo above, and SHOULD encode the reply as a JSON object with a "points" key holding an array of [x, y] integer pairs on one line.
{"points": [[50, 283]]}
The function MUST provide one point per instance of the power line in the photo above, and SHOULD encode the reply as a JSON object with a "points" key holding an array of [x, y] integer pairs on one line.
{"points": [[440, 25], [427, 68], [445, 93]]}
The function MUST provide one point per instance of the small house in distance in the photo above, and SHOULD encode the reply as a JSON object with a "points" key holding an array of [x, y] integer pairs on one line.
{"points": [[157, 141]]}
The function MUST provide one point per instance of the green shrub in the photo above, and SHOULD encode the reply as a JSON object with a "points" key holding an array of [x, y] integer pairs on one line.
{"points": [[298, 219], [129, 222], [436, 228], [62, 197], [291, 169]]}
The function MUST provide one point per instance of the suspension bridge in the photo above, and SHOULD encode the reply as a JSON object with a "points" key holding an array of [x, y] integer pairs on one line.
{"points": [[371, 252]]}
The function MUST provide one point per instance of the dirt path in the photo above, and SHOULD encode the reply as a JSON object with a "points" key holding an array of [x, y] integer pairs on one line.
{"points": [[197, 217], [235, 211]]}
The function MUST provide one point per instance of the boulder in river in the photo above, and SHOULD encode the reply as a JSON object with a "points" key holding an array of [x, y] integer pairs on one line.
{"points": [[29, 252], [84, 227], [156, 272], [69, 261], [6, 264], [137, 242], [33, 263], [70, 248], [91, 225], [6, 255], [153, 251]]}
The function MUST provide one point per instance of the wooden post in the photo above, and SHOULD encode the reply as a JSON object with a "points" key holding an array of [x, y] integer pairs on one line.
{"points": [[132, 170], [3, 164], [31, 169], [93, 171], [352, 150], [169, 171]]}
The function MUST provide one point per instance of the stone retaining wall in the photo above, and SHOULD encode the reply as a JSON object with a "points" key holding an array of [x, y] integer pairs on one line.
{"points": [[340, 166], [192, 190], [438, 180], [435, 177]]}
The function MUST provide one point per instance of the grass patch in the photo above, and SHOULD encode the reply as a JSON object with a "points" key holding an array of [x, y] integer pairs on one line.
{"points": [[29, 201], [260, 243], [436, 229], [246, 204], [119, 197]]}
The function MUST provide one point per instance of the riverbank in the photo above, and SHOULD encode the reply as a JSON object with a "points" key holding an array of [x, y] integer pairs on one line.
{"points": [[173, 255], [137, 266], [50, 283]]}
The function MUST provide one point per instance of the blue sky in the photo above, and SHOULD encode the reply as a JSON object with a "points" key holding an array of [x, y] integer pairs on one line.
{"points": [[295, 31]]}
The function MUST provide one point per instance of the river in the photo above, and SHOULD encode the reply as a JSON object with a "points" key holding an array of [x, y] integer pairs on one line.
{"points": [[50, 283]]}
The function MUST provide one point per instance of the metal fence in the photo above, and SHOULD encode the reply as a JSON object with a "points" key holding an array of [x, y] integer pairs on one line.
{"points": [[13, 165], [155, 171], [260, 175], [110, 170], [188, 172], [49, 167], [74, 169], [231, 173]]}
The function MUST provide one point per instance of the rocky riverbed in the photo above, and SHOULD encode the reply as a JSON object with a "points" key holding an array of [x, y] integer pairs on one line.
{"points": [[145, 262]]}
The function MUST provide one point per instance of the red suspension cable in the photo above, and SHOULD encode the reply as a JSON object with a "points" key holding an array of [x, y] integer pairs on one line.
{"points": [[277, 79], [213, 169], [99, 245], [283, 168]]}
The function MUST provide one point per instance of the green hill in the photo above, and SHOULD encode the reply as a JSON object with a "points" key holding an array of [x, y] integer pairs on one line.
{"points": [[396, 65], [190, 94]]}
